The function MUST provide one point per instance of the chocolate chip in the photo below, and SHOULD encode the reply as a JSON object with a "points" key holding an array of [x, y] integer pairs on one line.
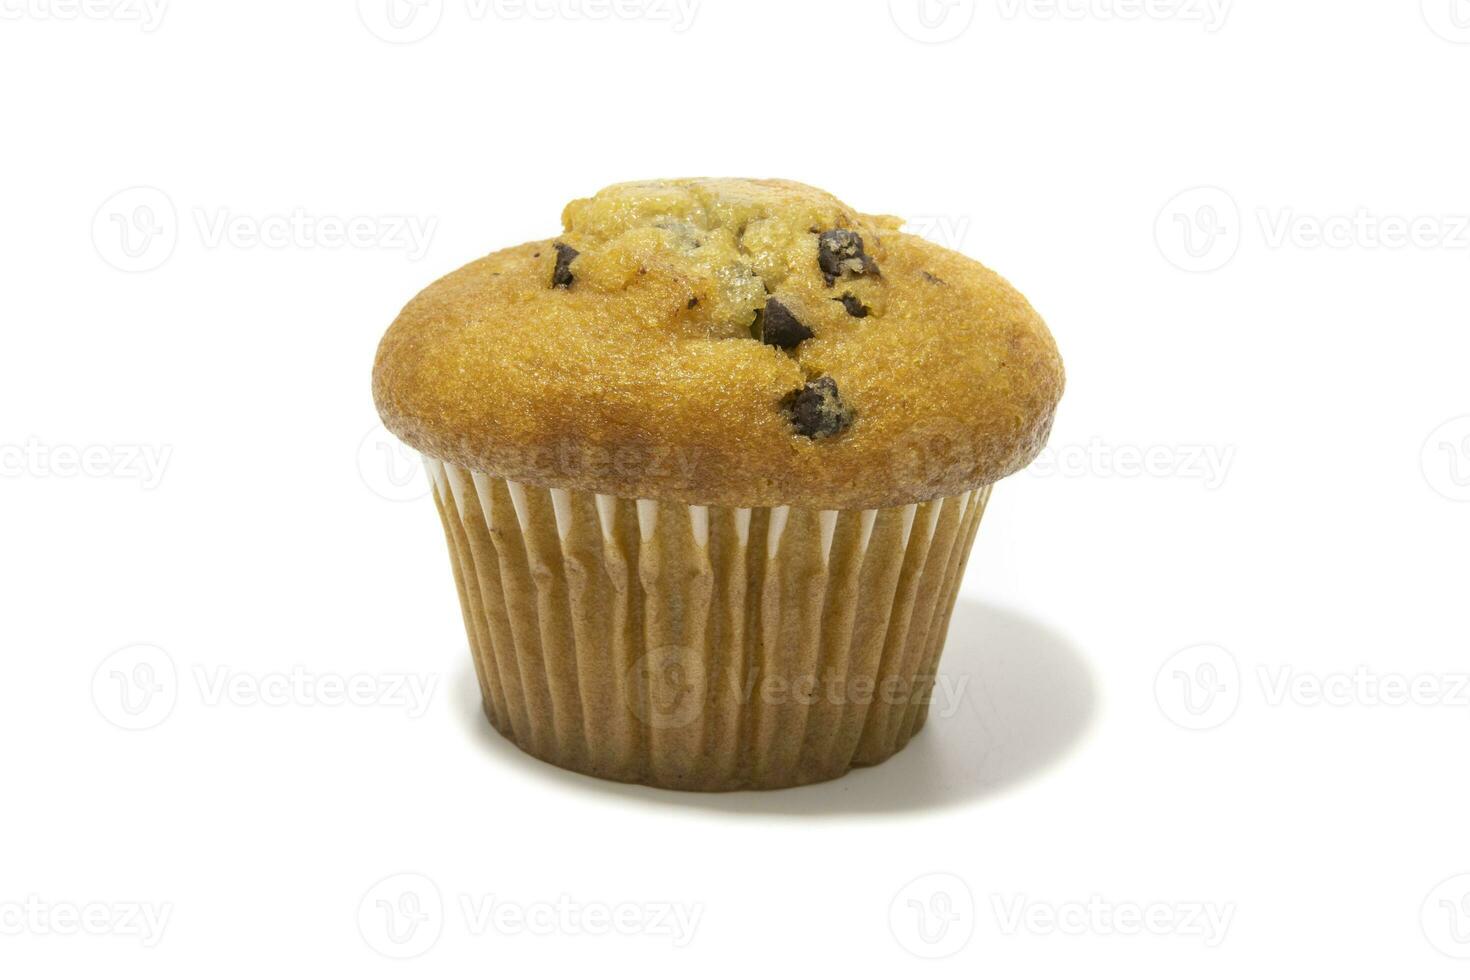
{"points": [[853, 305], [561, 277], [693, 302], [840, 253], [816, 410], [934, 279], [779, 326]]}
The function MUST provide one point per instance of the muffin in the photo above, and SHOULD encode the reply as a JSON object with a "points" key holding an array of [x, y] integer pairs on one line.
{"points": [[710, 464]]}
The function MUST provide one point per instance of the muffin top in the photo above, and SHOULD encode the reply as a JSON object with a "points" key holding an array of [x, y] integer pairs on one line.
{"points": [[743, 343]]}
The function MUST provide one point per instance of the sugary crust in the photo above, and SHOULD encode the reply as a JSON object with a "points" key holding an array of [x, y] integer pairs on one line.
{"points": [[641, 379]]}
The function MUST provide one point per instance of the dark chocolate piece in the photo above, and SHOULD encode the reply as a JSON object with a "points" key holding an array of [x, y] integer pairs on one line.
{"points": [[780, 327], [853, 305], [816, 410], [840, 253], [561, 277]]}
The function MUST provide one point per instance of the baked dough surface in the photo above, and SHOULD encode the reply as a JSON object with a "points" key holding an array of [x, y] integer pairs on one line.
{"points": [[644, 375]]}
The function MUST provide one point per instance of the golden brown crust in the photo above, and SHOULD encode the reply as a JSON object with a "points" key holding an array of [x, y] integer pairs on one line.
{"points": [[641, 379]]}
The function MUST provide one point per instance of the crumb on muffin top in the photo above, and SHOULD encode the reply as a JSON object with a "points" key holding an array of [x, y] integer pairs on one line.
{"points": [[724, 341]]}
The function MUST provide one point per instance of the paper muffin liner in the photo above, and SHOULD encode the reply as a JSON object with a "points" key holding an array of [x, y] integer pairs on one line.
{"points": [[702, 648]]}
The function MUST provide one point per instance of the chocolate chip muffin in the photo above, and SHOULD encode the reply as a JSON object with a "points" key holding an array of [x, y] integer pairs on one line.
{"points": [[710, 463]]}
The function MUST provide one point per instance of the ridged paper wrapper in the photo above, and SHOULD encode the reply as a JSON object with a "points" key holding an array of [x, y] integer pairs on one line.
{"points": [[702, 648]]}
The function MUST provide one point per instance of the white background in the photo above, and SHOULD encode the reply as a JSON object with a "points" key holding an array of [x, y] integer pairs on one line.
{"points": [[1258, 491]]}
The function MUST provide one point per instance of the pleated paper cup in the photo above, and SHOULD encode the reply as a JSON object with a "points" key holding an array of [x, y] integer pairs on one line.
{"points": [[702, 648]]}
